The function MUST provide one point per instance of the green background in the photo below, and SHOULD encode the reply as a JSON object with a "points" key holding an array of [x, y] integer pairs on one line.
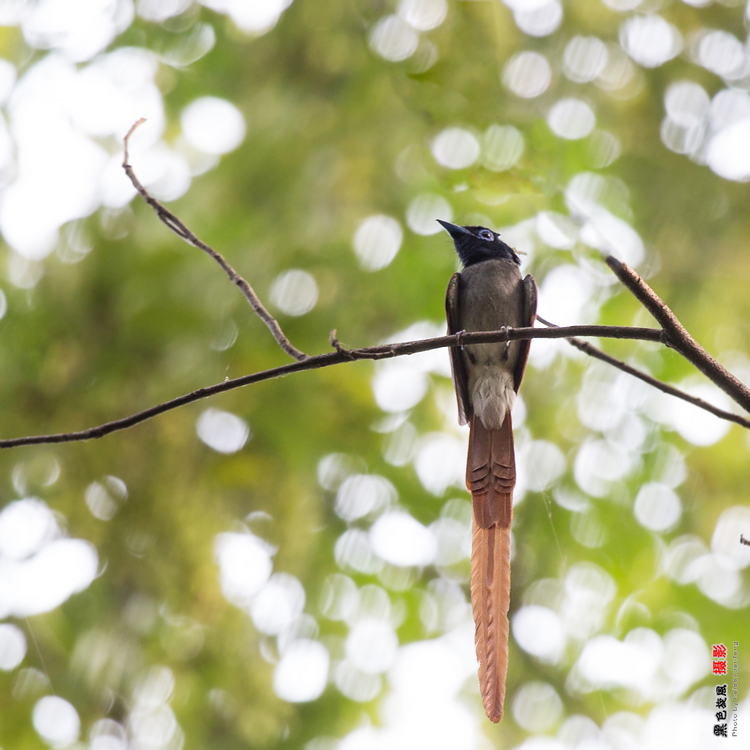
{"points": [[131, 325]]}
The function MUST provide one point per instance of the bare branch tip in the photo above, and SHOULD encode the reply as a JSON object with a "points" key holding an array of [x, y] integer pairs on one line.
{"points": [[127, 139]]}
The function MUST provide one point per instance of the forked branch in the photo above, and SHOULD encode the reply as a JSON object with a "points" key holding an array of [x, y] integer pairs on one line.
{"points": [[592, 351], [678, 337]]}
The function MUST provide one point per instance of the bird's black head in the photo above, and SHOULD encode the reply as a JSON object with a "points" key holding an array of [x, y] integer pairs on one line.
{"points": [[475, 244]]}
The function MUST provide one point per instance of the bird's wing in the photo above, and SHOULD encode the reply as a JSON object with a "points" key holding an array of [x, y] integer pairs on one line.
{"points": [[529, 316], [460, 379]]}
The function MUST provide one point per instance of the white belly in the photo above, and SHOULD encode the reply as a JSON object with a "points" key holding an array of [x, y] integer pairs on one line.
{"points": [[492, 395]]}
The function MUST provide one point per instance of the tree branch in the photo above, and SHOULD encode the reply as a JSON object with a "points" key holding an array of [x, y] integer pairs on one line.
{"points": [[341, 355], [677, 336], [171, 221], [671, 333], [592, 351]]}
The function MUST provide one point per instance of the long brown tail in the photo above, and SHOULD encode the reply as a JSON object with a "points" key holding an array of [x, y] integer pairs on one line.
{"points": [[490, 477]]}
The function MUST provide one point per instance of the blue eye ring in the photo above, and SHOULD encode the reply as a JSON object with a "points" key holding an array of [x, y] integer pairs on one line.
{"points": [[485, 234]]}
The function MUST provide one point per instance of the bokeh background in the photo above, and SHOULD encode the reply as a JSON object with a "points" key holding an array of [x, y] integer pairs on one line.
{"points": [[286, 565]]}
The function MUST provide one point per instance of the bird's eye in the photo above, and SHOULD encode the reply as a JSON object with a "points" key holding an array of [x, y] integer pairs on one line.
{"points": [[485, 234]]}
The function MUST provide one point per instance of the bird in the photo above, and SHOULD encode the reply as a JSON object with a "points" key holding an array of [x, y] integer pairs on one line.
{"points": [[488, 294]]}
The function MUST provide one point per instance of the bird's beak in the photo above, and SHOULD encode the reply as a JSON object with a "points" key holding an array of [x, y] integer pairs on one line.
{"points": [[453, 230]]}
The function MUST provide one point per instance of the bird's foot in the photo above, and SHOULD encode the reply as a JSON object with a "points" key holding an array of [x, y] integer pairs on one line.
{"points": [[504, 329], [459, 337]]}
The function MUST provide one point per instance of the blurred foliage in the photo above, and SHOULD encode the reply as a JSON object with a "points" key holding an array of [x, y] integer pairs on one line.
{"points": [[131, 324]]}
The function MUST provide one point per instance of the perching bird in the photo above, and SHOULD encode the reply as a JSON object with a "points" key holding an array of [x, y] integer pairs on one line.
{"points": [[487, 295]]}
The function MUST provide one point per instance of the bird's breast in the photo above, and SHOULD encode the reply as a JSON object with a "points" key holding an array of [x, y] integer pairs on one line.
{"points": [[491, 296]]}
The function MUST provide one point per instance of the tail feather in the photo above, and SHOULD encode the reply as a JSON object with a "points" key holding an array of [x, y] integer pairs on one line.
{"points": [[490, 600], [491, 472], [490, 477]]}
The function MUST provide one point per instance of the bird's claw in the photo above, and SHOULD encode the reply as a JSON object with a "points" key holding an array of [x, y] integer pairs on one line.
{"points": [[459, 336], [504, 329]]}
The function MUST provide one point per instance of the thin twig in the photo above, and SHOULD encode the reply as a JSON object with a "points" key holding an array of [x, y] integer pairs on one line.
{"points": [[385, 351], [168, 218], [592, 351], [677, 335], [336, 344]]}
